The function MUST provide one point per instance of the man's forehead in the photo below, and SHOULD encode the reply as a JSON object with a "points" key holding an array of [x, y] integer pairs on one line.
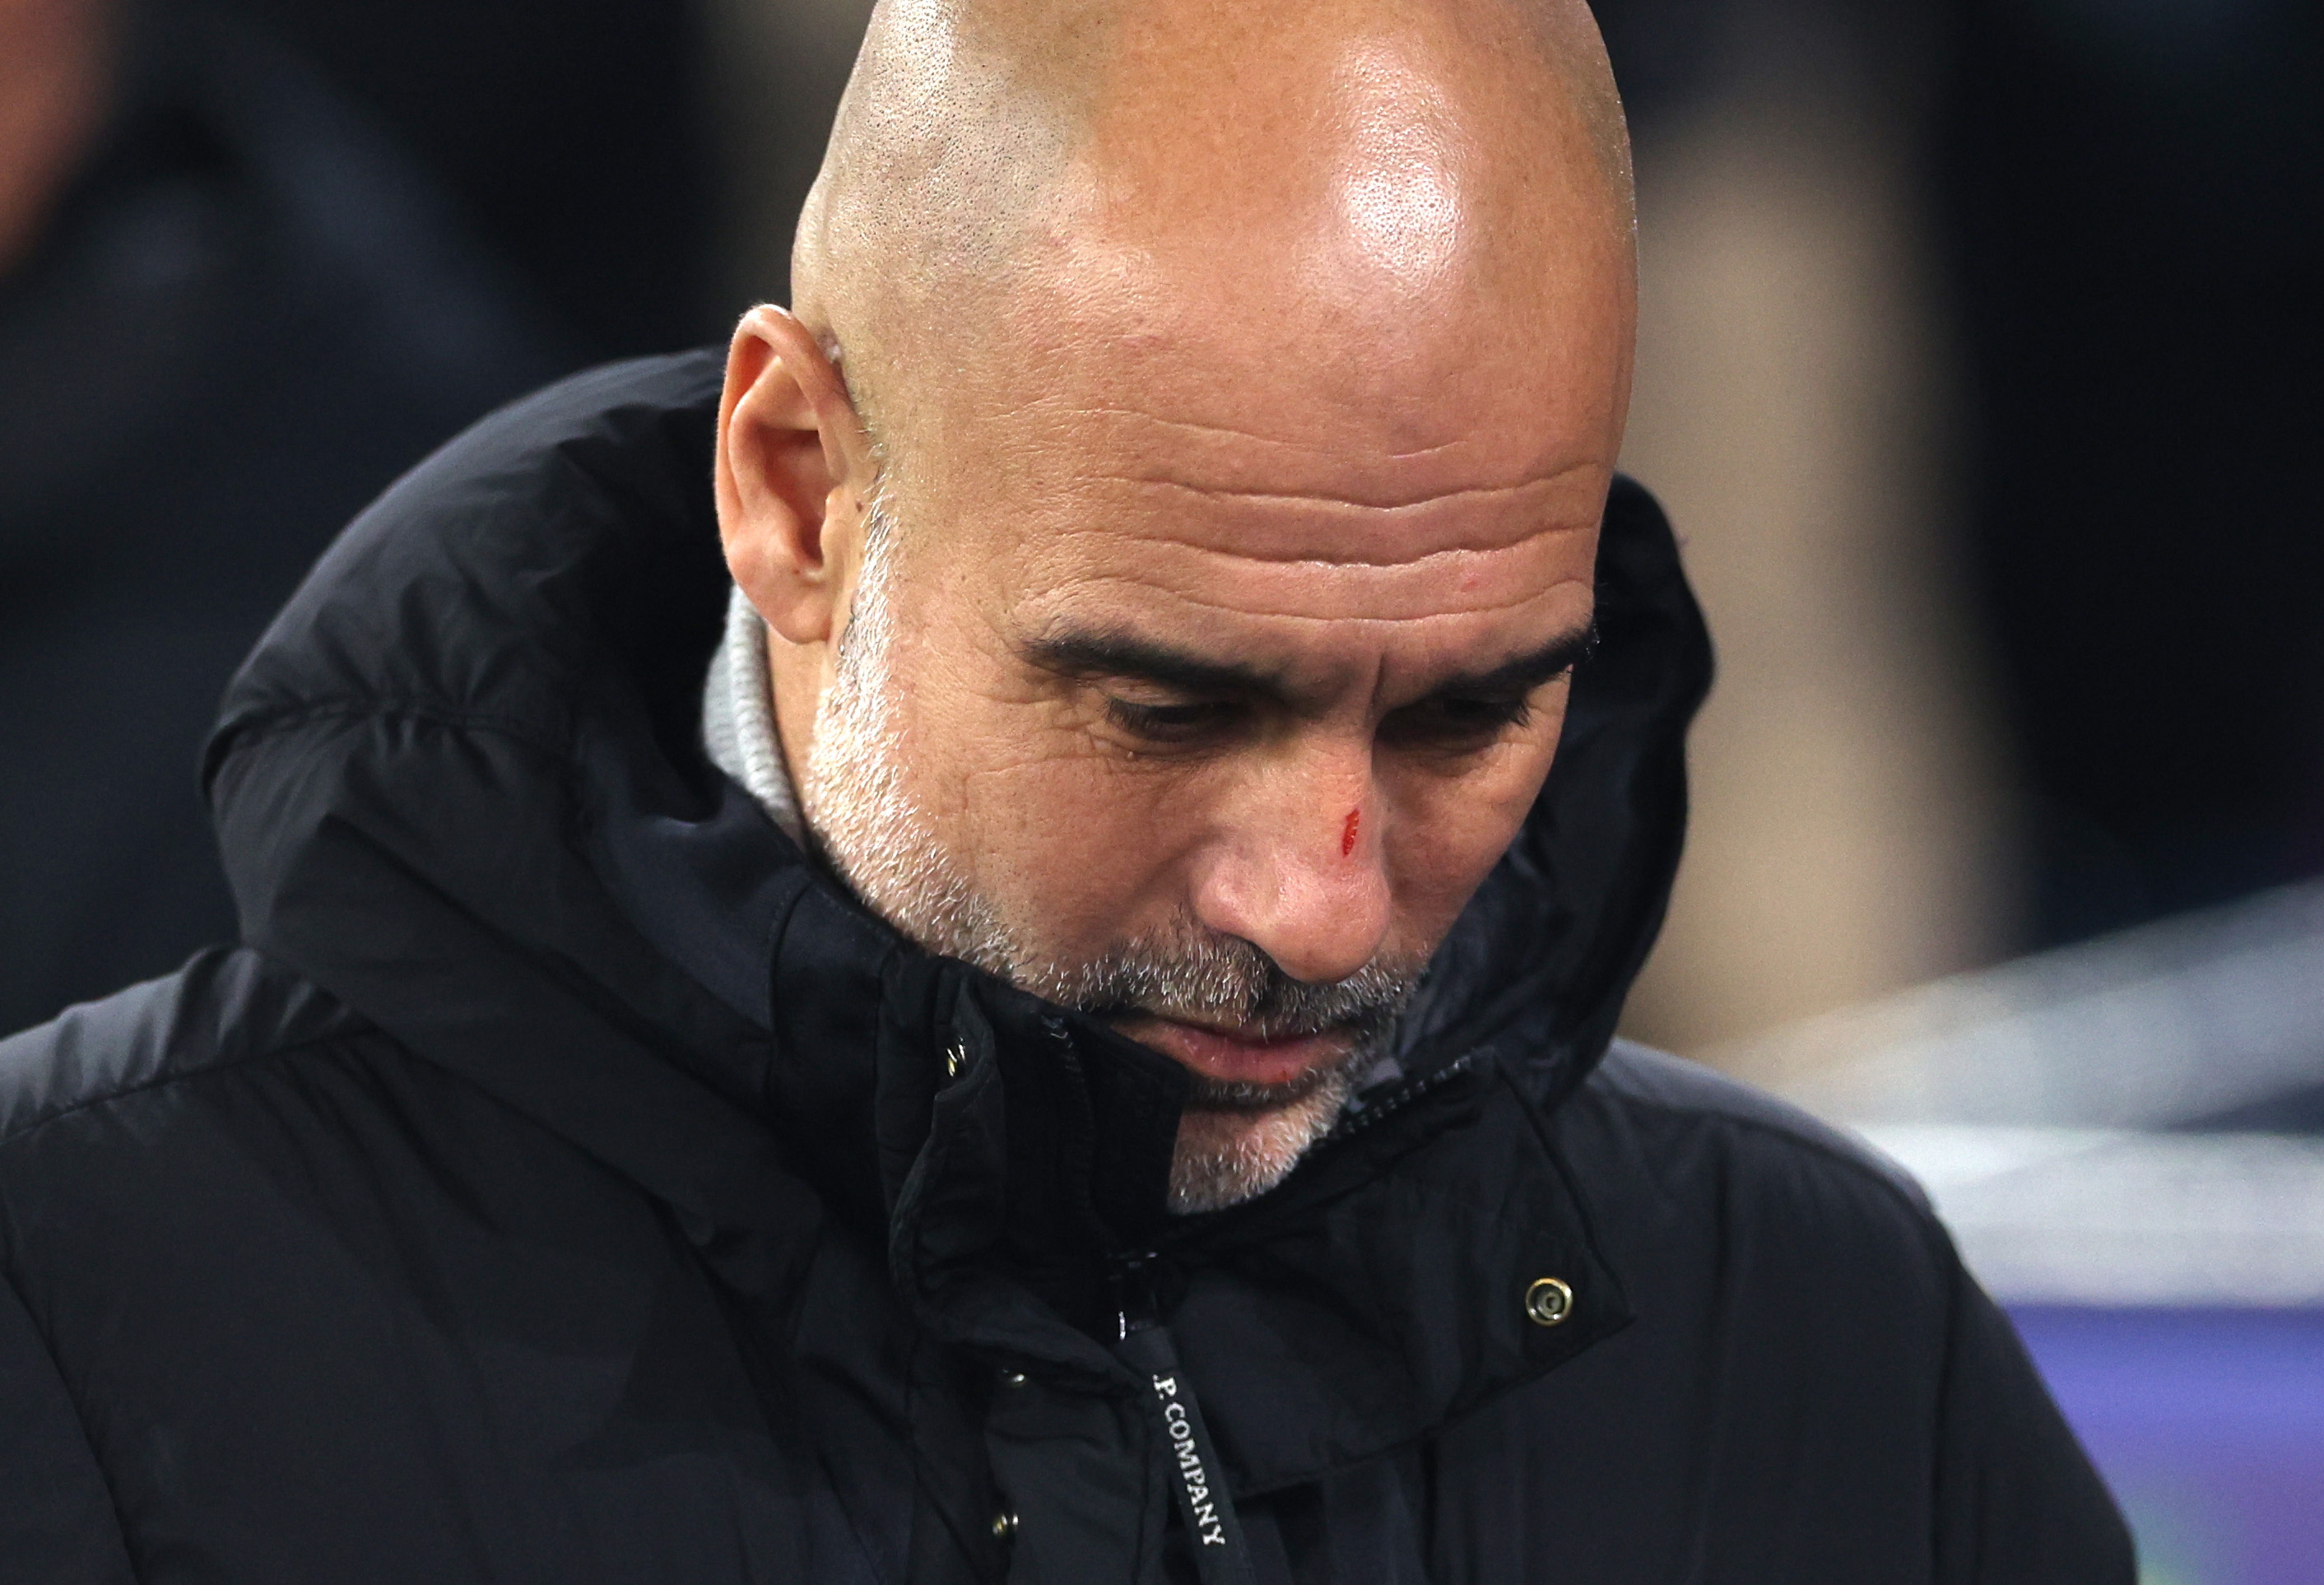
{"points": [[1366, 474], [1155, 453], [1229, 384], [1234, 539], [1277, 341], [1275, 474]]}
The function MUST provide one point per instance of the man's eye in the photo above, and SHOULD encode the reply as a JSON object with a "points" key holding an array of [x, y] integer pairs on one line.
{"points": [[1167, 722], [1457, 721]]}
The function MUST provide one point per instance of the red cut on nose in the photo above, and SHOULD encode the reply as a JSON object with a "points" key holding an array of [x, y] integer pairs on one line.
{"points": [[1348, 832]]}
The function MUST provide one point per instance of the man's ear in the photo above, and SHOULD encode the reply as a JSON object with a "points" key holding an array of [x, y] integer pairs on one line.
{"points": [[794, 469]]}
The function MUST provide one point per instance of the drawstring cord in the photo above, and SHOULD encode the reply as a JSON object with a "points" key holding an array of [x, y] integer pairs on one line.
{"points": [[1213, 1533]]}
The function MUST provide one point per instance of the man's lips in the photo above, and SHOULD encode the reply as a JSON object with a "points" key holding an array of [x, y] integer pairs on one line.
{"points": [[1232, 1057]]}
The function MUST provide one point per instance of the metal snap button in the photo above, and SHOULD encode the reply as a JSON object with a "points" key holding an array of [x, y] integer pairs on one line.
{"points": [[1004, 1525], [1548, 1301], [956, 1059], [1012, 1379]]}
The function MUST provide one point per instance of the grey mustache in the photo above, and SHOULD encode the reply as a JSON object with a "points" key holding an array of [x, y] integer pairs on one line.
{"points": [[1209, 979]]}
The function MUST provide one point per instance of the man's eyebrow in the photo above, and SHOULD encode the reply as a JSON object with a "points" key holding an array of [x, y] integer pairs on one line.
{"points": [[1126, 655], [1530, 670]]}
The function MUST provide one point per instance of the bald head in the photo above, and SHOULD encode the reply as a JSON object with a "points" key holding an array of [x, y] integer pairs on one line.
{"points": [[1368, 182]]}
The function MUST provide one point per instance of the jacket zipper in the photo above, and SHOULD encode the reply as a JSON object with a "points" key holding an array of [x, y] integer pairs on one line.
{"points": [[1397, 1099]]}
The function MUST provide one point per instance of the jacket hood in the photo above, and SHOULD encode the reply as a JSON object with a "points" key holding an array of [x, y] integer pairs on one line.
{"points": [[459, 784]]}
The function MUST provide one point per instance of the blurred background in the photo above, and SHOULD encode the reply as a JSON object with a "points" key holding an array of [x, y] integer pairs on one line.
{"points": [[1979, 370]]}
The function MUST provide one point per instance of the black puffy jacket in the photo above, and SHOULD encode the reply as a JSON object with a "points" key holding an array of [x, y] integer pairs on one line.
{"points": [[568, 1184]]}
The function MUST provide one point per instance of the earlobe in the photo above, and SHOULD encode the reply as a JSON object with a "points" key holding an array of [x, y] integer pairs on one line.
{"points": [[788, 443]]}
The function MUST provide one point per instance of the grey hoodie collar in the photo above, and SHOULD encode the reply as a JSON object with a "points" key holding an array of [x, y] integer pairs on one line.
{"points": [[737, 718]]}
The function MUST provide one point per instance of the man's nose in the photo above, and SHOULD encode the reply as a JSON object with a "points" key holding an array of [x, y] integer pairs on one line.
{"points": [[1297, 870]]}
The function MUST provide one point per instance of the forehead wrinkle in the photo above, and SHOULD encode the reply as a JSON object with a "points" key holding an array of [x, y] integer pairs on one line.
{"points": [[1326, 501], [1149, 593], [1428, 561], [1420, 560], [1195, 427], [1500, 444]]}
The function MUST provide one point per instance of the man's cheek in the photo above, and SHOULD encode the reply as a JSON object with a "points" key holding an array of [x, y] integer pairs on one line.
{"points": [[1062, 797], [1037, 763], [984, 745], [1444, 846], [1078, 826]]}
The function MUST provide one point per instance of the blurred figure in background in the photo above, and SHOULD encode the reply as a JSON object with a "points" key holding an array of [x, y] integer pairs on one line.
{"points": [[1795, 410], [1979, 361], [229, 315], [217, 241]]}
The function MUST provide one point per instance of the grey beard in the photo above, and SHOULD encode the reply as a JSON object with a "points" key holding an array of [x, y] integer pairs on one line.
{"points": [[1238, 1140]]}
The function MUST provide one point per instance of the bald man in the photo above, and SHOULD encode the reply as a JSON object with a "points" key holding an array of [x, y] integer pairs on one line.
{"points": [[980, 941]]}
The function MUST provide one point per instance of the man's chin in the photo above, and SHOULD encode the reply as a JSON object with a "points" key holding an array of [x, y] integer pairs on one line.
{"points": [[1228, 1154]]}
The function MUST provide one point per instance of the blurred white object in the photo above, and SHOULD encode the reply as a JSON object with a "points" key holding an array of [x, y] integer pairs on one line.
{"points": [[2159, 1027], [2092, 1216], [2055, 1108]]}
